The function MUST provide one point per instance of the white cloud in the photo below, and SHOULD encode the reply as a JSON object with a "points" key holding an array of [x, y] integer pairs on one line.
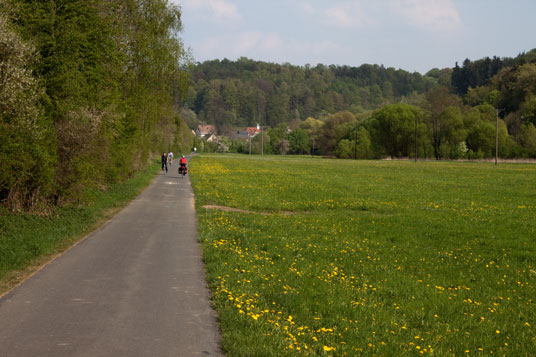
{"points": [[350, 14], [233, 45], [306, 7], [212, 10], [429, 14], [261, 45]]}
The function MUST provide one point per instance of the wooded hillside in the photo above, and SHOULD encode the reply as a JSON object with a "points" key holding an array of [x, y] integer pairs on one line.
{"points": [[448, 113], [87, 93], [244, 92]]}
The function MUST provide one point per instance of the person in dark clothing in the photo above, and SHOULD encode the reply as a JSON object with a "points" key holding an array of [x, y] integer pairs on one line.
{"points": [[164, 162]]}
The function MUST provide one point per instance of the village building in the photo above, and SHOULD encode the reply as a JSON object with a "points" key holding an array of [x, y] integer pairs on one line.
{"points": [[211, 138], [252, 131], [205, 130]]}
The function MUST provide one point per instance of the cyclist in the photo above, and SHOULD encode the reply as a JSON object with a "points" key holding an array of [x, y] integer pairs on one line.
{"points": [[182, 163], [170, 158]]}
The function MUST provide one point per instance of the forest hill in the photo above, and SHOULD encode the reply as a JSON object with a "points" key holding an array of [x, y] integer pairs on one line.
{"points": [[451, 113]]}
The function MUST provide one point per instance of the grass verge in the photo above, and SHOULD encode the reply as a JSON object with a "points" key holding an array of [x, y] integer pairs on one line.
{"points": [[378, 258], [28, 241]]}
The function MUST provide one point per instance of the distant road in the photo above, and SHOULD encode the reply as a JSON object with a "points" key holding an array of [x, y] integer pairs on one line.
{"points": [[135, 287]]}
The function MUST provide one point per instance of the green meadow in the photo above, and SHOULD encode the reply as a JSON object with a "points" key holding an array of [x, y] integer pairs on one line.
{"points": [[341, 257]]}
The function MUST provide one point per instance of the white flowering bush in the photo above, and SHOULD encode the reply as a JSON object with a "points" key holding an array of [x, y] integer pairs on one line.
{"points": [[25, 164]]}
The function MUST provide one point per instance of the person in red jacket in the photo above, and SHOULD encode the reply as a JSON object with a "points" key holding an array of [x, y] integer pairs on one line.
{"points": [[182, 164]]}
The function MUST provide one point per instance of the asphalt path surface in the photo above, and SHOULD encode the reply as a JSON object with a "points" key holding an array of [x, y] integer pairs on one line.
{"points": [[135, 287]]}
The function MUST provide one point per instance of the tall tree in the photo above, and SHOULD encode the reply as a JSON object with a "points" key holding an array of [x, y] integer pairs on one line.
{"points": [[451, 132], [111, 72], [298, 141], [437, 100], [328, 134], [27, 150], [313, 128], [394, 127]]}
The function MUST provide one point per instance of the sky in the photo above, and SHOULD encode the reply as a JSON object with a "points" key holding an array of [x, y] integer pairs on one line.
{"points": [[414, 35]]}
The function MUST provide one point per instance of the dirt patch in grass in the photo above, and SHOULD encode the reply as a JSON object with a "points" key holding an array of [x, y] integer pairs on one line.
{"points": [[231, 209]]}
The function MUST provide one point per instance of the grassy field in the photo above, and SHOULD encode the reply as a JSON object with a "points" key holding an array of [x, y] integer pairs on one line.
{"points": [[28, 241], [353, 257]]}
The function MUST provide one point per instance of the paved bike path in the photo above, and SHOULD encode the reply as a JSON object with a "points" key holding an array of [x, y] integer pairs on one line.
{"points": [[135, 287]]}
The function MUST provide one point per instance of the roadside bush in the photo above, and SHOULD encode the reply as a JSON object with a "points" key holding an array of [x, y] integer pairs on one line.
{"points": [[27, 154]]}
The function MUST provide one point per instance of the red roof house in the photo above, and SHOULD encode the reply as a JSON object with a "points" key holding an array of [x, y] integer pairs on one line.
{"points": [[252, 131], [204, 130]]}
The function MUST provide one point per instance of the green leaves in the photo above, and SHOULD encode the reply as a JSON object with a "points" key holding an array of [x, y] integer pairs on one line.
{"points": [[394, 127], [273, 93], [299, 141], [107, 77], [25, 152]]}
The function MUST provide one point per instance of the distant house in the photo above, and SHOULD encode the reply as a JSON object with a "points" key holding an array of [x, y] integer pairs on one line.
{"points": [[212, 138], [204, 130], [252, 131]]}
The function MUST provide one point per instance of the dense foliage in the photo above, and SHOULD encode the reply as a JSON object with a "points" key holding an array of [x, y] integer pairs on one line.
{"points": [[478, 73], [371, 111], [87, 93], [244, 92]]}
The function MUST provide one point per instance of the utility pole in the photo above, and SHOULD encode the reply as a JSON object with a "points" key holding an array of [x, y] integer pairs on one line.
{"points": [[415, 138], [355, 142], [497, 134], [313, 153]]}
